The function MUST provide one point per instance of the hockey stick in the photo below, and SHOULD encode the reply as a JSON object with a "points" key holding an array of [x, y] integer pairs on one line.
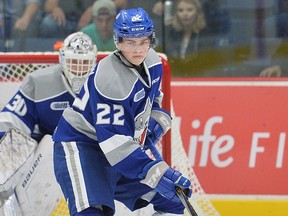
{"points": [[180, 193], [184, 199]]}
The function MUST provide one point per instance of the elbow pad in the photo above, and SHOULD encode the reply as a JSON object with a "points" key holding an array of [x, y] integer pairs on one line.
{"points": [[163, 118]]}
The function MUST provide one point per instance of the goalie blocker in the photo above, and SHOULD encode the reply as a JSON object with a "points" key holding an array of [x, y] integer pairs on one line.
{"points": [[27, 181]]}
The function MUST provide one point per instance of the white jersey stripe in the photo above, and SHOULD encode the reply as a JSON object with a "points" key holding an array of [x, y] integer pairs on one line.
{"points": [[76, 175], [114, 142], [118, 147]]}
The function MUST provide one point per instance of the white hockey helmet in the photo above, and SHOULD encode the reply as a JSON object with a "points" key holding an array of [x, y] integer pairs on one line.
{"points": [[77, 57]]}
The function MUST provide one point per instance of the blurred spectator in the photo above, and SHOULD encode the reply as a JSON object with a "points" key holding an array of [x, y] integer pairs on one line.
{"points": [[282, 19], [64, 17], [21, 19], [30, 9], [187, 40], [273, 71], [184, 34], [120, 4], [5, 23], [282, 25], [217, 17], [101, 29]]}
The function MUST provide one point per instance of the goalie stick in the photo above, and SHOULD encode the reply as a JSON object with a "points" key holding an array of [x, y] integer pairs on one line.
{"points": [[180, 193]]}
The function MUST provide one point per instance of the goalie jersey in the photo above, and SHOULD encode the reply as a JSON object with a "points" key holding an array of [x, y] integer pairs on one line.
{"points": [[39, 103], [113, 109]]}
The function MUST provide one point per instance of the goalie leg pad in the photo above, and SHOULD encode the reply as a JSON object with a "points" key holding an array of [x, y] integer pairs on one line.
{"points": [[10, 207], [38, 192], [17, 151]]}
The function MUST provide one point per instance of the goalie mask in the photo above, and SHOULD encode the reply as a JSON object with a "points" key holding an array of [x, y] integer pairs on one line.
{"points": [[133, 23], [77, 57]]}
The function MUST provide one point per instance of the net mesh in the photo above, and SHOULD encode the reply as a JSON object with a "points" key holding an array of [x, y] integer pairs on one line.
{"points": [[15, 72], [180, 161], [61, 208]]}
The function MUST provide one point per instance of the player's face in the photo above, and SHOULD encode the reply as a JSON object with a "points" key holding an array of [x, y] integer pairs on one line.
{"points": [[187, 13], [135, 49], [79, 67]]}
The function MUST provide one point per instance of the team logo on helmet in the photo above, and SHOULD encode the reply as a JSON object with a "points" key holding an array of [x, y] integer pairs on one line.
{"points": [[136, 18], [80, 45]]}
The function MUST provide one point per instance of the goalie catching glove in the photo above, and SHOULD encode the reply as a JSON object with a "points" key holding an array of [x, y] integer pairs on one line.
{"points": [[158, 175]]}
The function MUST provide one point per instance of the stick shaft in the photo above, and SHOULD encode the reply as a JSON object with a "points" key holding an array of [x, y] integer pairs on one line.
{"points": [[184, 199]]}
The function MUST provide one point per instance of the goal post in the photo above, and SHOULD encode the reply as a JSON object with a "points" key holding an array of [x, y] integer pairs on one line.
{"points": [[15, 66]]}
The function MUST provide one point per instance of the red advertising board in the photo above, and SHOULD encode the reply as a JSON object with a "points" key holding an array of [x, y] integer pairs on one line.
{"points": [[235, 134]]}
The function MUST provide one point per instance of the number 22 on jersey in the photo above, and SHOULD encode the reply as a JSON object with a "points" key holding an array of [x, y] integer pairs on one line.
{"points": [[103, 109]]}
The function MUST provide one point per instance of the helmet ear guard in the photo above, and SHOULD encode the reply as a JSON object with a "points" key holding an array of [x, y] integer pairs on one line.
{"points": [[133, 23], [77, 57], [153, 39]]}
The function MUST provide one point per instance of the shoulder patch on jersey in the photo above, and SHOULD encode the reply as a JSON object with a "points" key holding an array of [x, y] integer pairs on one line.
{"points": [[59, 105], [113, 79], [139, 95]]}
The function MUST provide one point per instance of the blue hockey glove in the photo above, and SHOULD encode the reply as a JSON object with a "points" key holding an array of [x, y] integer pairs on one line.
{"points": [[154, 134], [159, 124], [168, 182], [164, 179]]}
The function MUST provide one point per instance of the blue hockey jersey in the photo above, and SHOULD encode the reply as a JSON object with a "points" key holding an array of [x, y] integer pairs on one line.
{"points": [[113, 110], [39, 103]]}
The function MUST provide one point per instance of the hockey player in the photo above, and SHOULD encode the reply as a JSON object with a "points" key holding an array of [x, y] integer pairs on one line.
{"points": [[97, 151], [35, 110], [38, 105]]}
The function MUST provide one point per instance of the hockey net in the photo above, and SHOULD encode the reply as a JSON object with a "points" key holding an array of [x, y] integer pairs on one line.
{"points": [[15, 66]]}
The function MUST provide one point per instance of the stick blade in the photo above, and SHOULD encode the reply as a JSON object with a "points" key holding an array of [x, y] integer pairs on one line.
{"points": [[184, 199]]}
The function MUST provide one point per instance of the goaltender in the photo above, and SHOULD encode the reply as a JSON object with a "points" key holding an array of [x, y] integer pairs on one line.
{"points": [[35, 110]]}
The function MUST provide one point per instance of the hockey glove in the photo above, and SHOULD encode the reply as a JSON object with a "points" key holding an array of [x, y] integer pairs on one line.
{"points": [[154, 134], [158, 175], [159, 124]]}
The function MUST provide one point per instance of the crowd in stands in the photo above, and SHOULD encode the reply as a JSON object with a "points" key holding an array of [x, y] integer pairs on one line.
{"points": [[100, 30], [41, 23], [198, 35]]}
